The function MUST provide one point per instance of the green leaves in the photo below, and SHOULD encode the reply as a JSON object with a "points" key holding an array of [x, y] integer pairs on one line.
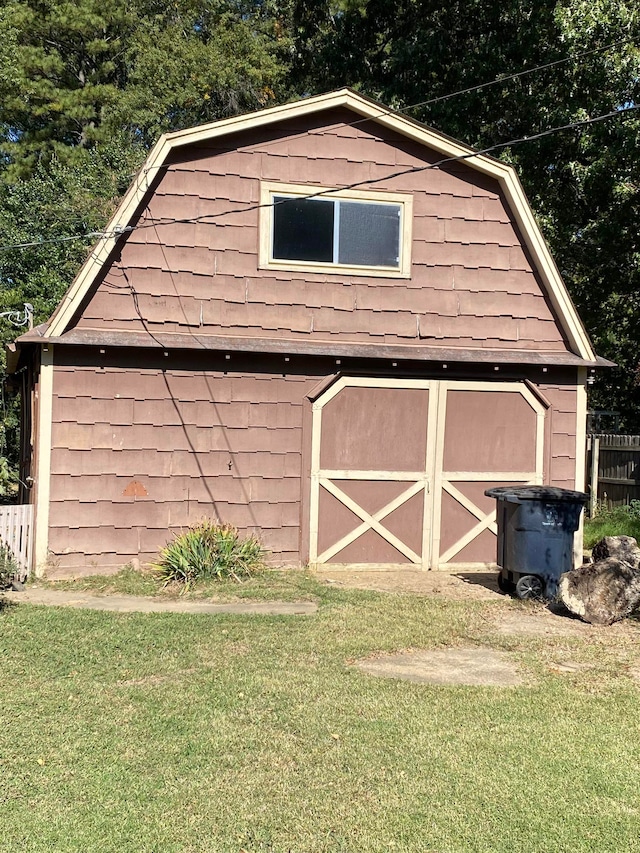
{"points": [[584, 185], [78, 73], [209, 551]]}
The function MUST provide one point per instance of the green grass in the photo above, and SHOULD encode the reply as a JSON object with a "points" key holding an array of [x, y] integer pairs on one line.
{"points": [[166, 732], [617, 521]]}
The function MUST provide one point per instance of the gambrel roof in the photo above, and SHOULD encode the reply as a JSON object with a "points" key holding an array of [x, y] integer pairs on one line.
{"points": [[168, 146]]}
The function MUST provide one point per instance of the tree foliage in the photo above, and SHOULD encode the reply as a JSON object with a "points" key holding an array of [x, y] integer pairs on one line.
{"points": [[87, 87], [74, 74], [583, 185]]}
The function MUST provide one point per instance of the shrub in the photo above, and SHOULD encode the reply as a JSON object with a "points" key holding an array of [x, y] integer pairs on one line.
{"points": [[209, 551], [8, 566]]}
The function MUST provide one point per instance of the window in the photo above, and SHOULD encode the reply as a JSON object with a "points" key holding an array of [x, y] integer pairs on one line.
{"points": [[344, 231]]}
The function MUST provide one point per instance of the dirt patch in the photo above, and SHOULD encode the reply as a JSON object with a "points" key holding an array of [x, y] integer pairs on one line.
{"points": [[634, 673], [570, 666], [541, 622], [474, 586], [476, 667]]}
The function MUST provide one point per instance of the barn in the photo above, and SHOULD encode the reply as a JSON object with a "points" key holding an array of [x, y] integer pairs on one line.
{"points": [[324, 322]]}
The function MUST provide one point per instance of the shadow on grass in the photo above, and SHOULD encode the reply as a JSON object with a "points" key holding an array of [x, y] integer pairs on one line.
{"points": [[489, 580], [5, 604]]}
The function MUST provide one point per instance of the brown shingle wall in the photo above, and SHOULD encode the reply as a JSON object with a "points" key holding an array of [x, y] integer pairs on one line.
{"points": [[561, 434], [197, 443], [472, 283]]}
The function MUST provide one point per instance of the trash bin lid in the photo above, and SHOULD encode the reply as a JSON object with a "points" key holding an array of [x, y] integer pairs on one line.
{"points": [[551, 494]]}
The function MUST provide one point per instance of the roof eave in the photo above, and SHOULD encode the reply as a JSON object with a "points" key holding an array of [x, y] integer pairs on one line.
{"points": [[345, 349]]}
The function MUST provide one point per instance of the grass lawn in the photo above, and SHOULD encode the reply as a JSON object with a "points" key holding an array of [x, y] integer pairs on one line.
{"points": [[166, 732], [618, 521], [264, 585]]}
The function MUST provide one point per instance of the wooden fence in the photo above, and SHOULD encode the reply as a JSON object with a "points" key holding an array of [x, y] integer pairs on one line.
{"points": [[16, 528], [613, 465]]}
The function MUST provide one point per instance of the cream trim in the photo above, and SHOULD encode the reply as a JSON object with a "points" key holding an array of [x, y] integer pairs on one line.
{"points": [[314, 499], [481, 476], [444, 479], [438, 461], [366, 567], [433, 479], [581, 430], [43, 475], [469, 567], [488, 522], [581, 462], [395, 476], [430, 469], [503, 173], [467, 504], [371, 521], [323, 478], [404, 200]]}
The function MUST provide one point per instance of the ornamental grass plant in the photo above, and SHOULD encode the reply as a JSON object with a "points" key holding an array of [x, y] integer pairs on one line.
{"points": [[207, 551]]}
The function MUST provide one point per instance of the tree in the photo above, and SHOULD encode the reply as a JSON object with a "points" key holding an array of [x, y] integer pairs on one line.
{"points": [[85, 89], [583, 185], [59, 201], [74, 74]]}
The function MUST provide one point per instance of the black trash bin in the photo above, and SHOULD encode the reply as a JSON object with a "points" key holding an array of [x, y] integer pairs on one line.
{"points": [[535, 537]]}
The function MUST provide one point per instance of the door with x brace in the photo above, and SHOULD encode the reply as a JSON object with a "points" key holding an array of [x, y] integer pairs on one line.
{"points": [[370, 488], [488, 434], [399, 469]]}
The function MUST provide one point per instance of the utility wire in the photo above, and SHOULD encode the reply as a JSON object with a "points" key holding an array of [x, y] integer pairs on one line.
{"points": [[515, 76], [48, 240], [405, 108], [384, 112], [412, 170]]}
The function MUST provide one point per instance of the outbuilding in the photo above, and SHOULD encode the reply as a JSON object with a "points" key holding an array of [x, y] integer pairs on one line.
{"points": [[323, 322]]}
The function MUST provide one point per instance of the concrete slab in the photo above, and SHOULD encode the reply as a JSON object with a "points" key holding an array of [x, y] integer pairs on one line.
{"points": [[476, 667], [139, 604]]}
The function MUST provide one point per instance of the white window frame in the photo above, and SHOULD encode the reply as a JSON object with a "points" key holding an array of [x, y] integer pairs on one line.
{"points": [[269, 189]]}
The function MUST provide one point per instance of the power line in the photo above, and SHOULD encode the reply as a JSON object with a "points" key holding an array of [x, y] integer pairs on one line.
{"points": [[32, 244], [409, 171], [412, 170], [518, 74], [501, 79]]}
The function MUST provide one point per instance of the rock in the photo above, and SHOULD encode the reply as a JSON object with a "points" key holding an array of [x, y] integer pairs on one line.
{"points": [[16, 585], [601, 593], [623, 548]]}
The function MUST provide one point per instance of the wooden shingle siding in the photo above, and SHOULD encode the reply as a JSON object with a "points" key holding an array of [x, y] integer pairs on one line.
{"points": [[199, 443], [138, 453], [561, 434], [472, 283]]}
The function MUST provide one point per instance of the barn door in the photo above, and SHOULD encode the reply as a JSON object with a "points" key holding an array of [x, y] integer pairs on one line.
{"points": [[489, 434], [399, 469], [370, 487]]}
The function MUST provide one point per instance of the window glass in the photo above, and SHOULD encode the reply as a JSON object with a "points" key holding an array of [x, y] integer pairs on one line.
{"points": [[303, 229], [369, 234], [335, 230]]}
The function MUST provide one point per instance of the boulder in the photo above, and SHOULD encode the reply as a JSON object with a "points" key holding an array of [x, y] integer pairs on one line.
{"points": [[601, 593], [623, 548]]}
